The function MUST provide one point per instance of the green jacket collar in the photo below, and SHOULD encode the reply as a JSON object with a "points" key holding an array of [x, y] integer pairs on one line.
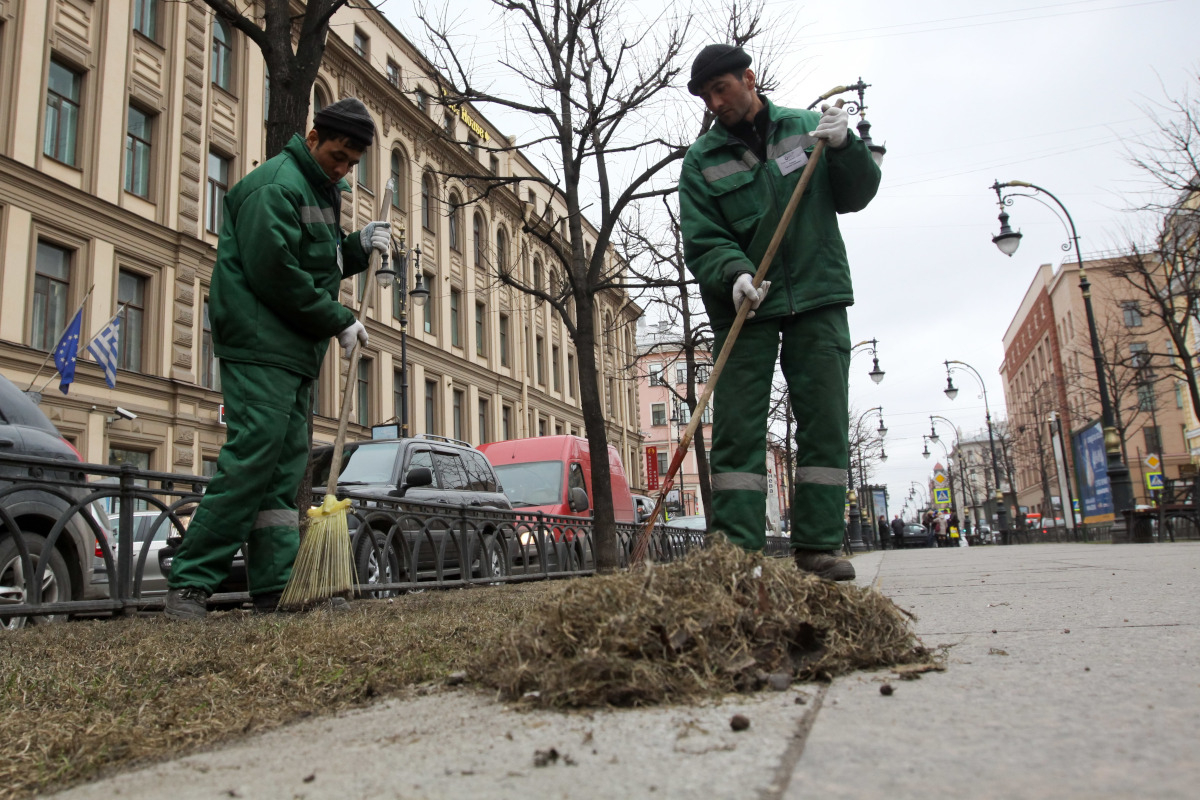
{"points": [[297, 148], [719, 136]]}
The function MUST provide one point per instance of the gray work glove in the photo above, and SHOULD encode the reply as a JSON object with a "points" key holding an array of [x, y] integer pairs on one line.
{"points": [[833, 126], [743, 289], [348, 337], [377, 235]]}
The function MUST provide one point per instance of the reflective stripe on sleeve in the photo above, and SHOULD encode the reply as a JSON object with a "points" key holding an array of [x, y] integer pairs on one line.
{"points": [[314, 214]]}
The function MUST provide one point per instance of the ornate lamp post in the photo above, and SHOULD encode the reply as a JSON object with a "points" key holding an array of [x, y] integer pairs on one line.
{"points": [[419, 295], [856, 537], [1007, 241], [876, 374], [952, 392]]}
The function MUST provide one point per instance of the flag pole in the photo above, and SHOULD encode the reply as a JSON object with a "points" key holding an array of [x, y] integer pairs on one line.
{"points": [[83, 347], [46, 360]]}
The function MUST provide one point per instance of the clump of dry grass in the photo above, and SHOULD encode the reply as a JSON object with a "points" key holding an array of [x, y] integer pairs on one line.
{"points": [[721, 620]]}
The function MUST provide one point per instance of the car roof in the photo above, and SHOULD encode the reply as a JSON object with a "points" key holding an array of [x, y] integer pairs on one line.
{"points": [[17, 409]]}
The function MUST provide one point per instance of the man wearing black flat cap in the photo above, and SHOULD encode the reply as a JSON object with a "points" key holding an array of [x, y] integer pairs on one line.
{"points": [[281, 257], [735, 182]]}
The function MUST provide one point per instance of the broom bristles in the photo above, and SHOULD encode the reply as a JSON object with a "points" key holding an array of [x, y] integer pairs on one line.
{"points": [[324, 567]]}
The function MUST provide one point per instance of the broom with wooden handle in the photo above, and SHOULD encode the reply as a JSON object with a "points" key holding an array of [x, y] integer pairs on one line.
{"points": [[643, 541], [324, 566]]}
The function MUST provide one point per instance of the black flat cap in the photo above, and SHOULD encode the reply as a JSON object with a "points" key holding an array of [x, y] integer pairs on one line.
{"points": [[347, 116], [714, 60]]}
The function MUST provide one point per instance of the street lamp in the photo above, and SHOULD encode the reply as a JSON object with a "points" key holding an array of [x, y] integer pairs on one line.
{"points": [[419, 294], [952, 392], [856, 536], [1008, 241], [876, 374], [857, 107]]}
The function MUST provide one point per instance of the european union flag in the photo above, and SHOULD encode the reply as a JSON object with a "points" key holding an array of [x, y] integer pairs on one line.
{"points": [[67, 351]]}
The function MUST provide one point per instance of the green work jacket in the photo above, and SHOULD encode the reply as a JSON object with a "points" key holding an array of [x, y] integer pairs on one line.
{"points": [[730, 203], [275, 285]]}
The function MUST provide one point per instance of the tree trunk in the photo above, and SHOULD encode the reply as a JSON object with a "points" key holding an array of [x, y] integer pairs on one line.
{"points": [[592, 402]]}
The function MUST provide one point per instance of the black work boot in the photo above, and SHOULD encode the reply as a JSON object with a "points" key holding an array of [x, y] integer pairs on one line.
{"points": [[187, 603], [825, 564]]}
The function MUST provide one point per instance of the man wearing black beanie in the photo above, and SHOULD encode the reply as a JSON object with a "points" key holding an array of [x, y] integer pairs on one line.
{"points": [[281, 257], [735, 182]]}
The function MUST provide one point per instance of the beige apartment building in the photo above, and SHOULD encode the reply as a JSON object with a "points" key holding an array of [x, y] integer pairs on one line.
{"points": [[125, 121], [1048, 370]]}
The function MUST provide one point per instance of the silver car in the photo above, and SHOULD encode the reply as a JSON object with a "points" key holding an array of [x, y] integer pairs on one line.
{"points": [[154, 582]]}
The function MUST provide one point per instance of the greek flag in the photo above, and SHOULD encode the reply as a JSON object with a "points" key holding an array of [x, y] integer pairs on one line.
{"points": [[67, 351], [104, 349]]}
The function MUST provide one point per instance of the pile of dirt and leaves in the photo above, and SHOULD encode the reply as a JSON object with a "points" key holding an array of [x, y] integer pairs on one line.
{"points": [[720, 621]]}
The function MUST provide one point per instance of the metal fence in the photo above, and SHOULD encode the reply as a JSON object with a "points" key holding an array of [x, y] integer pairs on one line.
{"points": [[75, 520]]}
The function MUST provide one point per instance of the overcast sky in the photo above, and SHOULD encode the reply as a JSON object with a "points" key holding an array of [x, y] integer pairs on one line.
{"points": [[963, 94]]}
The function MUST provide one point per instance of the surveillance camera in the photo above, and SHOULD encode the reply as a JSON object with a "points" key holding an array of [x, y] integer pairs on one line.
{"points": [[124, 414]]}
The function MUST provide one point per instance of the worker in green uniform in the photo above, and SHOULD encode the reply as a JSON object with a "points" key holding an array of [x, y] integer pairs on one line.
{"points": [[735, 182], [281, 257]]}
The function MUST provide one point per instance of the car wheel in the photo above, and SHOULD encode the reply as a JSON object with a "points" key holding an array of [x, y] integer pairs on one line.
{"points": [[56, 580], [494, 563], [375, 565]]}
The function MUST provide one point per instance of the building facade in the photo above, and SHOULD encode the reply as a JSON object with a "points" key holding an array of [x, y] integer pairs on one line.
{"points": [[127, 121]]}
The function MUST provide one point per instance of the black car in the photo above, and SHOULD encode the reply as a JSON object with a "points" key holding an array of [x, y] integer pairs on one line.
{"points": [[25, 431], [437, 482], [914, 535]]}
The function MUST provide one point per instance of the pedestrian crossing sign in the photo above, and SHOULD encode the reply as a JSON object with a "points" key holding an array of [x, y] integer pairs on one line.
{"points": [[942, 496], [1154, 481]]}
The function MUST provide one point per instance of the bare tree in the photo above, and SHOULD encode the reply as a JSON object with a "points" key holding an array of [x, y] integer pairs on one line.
{"points": [[292, 43]]}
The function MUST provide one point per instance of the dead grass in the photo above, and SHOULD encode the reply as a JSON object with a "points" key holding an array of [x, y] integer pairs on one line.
{"points": [[83, 698]]}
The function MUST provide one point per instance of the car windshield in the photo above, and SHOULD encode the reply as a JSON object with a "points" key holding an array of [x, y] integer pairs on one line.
{"points": [[537, 483], [365, 463]]}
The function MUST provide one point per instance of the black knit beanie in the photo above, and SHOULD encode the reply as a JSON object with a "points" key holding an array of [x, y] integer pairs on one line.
{"points": [[348, 116], [714, 60]]}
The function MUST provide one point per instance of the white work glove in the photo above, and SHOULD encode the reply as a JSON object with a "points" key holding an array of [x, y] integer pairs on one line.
{"points": [[833, 126], [743, 289], [377, 235], [348, 337]]}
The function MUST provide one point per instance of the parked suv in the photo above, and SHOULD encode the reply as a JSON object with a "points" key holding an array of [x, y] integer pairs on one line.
{"points": [[25, 431], [431, 475]]}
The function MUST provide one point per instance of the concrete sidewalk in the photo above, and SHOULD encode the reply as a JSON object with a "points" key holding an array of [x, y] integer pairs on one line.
{"points": [[1073, 671]]}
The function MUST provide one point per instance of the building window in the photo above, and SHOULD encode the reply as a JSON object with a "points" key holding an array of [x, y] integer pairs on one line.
{"points": [[680, 373], [541, 426], [494, 165], [218, 185], [448, 125], [137, 153], [208, 467], [658, 413], [656, 375], [320, 99], [1132, 313], [483, 422], [1139, 353], [506, 422], [571, 374], [422, 101], [131, 293], [480, 329], [1145, 392], [703, 372], [455, 222], [1179, 395], [503, 340], [473, 145], [537, 274], [540, 358], [706, 417], [501, 250], [428, 307], [51, 287], [662, 461], [210, 372], [431, 392], [365, 171], [222, 54], [554, 363], [145, 17], [608, 397], [393, 73], [138, 460], [62, 114], [455, 336], [477, 238], [363, 392], [397, 179], [457, 409], [1153, 439], [362, 44], [427, 220]]}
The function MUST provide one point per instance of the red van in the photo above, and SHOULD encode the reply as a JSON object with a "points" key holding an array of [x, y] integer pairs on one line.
{"points": [[553, 474]]}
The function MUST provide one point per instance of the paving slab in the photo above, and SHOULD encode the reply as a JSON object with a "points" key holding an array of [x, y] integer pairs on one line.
{"points": [[1073, 671]]}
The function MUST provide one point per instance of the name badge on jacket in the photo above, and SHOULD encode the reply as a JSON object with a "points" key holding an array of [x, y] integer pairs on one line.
{"points": [[792, 161]]}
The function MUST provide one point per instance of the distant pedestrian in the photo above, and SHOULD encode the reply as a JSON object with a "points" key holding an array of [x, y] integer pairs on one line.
{"points": [[884, 530], [897, 532]]}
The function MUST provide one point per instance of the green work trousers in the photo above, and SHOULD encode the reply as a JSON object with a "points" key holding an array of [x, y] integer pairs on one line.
{"points": [[252, 498], [813, 351]]}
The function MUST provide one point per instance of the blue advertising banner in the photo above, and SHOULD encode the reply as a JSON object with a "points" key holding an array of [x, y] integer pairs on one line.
{"points": [[1091, 472]]}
